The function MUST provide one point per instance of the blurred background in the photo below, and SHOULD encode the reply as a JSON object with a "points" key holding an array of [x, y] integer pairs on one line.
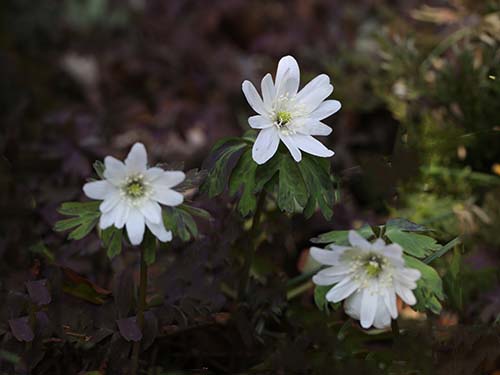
{"points": [[418, 135]]}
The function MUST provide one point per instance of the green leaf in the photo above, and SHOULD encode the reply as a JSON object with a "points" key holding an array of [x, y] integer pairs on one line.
{"points": [[340, 237], [86, 218], [292, 191], [85, 227], [320, 300], [316, 174], [40, 248], [405, 225], [429, 287], [180, 222], [99, 168], [79, 208], [220, 164], [417, 245], [149, 248], [114, 243], [195, 211], [243, 177]]}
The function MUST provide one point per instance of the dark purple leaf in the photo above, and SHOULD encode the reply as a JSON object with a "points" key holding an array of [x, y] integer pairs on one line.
{"points": [[38, 292], [129, 329], [21, 329]]}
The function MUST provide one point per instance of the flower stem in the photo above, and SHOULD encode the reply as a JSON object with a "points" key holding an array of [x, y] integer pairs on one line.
{"points": [[250, 250], [395, 328], [141, 306]]}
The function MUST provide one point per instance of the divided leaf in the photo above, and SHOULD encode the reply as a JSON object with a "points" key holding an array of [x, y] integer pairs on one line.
{"points": [[417, 245], [86, 215], [243, 178], [180, 221], [340, 237], [320, 300]]}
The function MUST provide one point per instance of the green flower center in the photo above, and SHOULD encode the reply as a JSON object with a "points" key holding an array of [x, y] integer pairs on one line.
{"points": [[135, 188], [283, 118], [374, 265]]}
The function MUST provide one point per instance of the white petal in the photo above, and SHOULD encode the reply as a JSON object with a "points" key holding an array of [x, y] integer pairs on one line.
{"points": [[137, 159], [121, 212], [292, 147], [135, 226], [390, 302], [98, 189], [342, 290], [159, 231], [331, 275], [314, 127], [406, 294], [368, 308], [268, 91], [378, 244], [151, 211], [313, 94], [106, 220], [253, 97], [110, 202], [288, 70], [328, 257], [153, 173], [352, 305], [382, 316], [169, 179], [326, 109], [357, 241], [259, 122], [311, 145], [265, 145], [395, 254], [167, 196], [114, 170]]}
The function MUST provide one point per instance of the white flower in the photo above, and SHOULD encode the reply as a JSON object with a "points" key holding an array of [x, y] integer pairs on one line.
{"points": [[290, 116], [368, 276], [131, 194]]}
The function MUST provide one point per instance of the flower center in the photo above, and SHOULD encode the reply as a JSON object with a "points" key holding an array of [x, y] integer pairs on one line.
{"points": [[282, 118], [135, 187], [374, 265]]}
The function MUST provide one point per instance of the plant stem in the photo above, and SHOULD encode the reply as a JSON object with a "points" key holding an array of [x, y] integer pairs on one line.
{"points": [[250, 250], [141, 306], [395, 328]]}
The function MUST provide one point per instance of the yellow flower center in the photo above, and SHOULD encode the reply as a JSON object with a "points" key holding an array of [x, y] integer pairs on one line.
{"points": [[135, 188], [283, 118], [374, 265]]}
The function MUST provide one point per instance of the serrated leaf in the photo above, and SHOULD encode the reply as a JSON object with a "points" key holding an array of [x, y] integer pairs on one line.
{"points": [[243, 178], [341, 237], [292, 191], [417, 245], [429, 287]]}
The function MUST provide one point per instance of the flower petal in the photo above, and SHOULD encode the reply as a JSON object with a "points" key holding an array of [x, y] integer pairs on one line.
{"points": [[121, 212], [328, 257], [265, 145], [357, 241], [259, 122], [311, 145], [390, 302], [253, 97], [369, 303], [326, 109], [169, 179], [159, 231], [153, 173], [110, 202], [151, 211], [135, 226], [331, 275], [313, 127], [137, 159], [342, 290], [167, 196], [114, 170], [268, 91], [352, 305], [106, 220], [98, 189], [406, 294], [382, 316], [313, 94], [288, 70], [292, 147]]}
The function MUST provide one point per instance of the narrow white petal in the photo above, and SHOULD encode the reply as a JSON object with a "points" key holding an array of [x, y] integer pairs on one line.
{"points": [[268, 91], [311, 126], [352, 305], [114, 170], [390, 302], [135, 226], [151, 211], [382, 316], [326, 280], [106, 220], [110, 202], [153, 173], [253, 97], [259, 122], [288, 69], [326, 109], [357, 241], [265, 145], [406, 294], [169, 179], [159, 231], [378, 244], [368, 308], [311, 145], [331, 275], [328, 257], [98, 189], [121, 212], [313, 94], [167, 196], [292, 147], [342, 290], [137, 159]]}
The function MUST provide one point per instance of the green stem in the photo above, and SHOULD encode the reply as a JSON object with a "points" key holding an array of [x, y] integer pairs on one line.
{"points": [[250, 250], [143, 284], [443, 250]]}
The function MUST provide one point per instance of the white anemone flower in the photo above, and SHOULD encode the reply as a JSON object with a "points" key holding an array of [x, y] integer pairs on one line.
{"points": [[368, 276], [131, 195], [289, 115]]}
